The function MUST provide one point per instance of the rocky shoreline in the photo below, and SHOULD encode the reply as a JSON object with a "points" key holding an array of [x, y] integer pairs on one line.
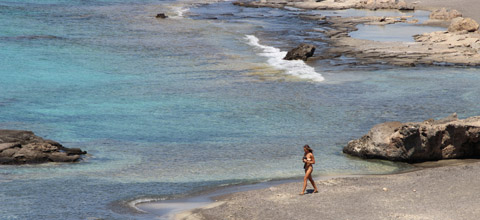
{"points": [[24, 147], [447, 192], [459, 45]]}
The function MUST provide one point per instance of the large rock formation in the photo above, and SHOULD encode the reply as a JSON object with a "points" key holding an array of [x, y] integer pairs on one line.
{"points": [[24, 147], [445, 14], [463, 24], [448, 138], [302, 52]]}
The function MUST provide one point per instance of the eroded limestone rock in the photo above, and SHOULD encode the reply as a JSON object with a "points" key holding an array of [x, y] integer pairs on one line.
{"points": [[449, 138], [445, 14], [24, 147], [463, 24]]}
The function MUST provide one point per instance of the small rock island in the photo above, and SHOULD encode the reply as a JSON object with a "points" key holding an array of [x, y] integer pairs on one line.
{"points": [[24, 147]]}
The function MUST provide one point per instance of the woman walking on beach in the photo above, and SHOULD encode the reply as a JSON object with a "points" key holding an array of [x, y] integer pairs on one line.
{"points": [[308, 160]]}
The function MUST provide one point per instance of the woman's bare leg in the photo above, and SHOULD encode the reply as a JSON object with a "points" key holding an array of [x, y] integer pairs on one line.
{"points": [[308, 173], [313, 182]]}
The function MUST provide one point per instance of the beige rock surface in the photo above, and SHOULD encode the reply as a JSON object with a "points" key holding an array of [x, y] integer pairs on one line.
{"points": [[463, 24], [436, 48], [448, 138], [468, 8], [445, 14]]}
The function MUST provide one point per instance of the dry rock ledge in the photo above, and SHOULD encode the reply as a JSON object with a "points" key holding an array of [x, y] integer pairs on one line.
{"points": [[448, 138], [24, 147], [459, 45]]}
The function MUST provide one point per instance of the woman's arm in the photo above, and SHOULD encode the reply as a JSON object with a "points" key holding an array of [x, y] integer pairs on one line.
{"points": [[310, 158]]}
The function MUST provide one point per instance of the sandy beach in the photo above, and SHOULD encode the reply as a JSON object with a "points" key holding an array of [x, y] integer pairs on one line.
{"points": [[448, 192], [440, 193]]}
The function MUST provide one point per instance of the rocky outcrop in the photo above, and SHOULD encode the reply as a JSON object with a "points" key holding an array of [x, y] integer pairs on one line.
{"points": [[302, 52], [24, 147], [463, 24], [258, 4], [384, 4], [448, 138], [458, 46], [437, 48], [329, 4], [445, 14]]}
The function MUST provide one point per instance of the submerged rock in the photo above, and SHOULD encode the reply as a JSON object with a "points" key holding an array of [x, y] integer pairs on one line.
{"points": [[24, 147], [448, 138], [302, 52], [463, 24]]}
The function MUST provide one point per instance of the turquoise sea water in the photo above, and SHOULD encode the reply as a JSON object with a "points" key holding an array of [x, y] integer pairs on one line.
{"points": [[171, 107]]}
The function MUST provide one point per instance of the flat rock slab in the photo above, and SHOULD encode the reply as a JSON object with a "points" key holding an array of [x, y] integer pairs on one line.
{"points": [[24, 147]]}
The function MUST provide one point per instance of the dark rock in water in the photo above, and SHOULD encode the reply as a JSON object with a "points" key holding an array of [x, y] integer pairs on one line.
{"points": [[302, 52], [24, 147], [161, 15], [448, 138]]}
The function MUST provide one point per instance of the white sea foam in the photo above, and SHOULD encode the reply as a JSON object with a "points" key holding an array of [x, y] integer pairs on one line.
{"points": [[180, 11], [134, 204], [275, 56]]}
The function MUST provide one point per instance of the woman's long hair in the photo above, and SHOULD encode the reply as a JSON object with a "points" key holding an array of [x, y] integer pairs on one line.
{"points": [[308, 148]]}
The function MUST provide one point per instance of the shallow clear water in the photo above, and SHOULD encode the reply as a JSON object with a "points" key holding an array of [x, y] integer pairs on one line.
{"points": [[402, 32], [171, 107]]}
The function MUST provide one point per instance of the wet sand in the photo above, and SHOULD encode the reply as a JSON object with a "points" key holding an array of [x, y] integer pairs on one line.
{"points": [[449, 192]]}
